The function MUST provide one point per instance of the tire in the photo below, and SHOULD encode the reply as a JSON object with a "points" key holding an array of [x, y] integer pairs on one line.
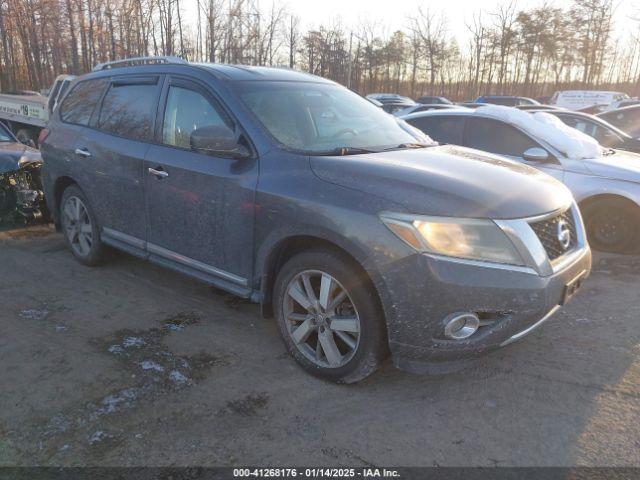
{"points": [[612, 226], [310, 333], [79, 222]]}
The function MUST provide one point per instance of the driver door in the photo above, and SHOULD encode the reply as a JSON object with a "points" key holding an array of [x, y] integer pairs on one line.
{"points": [[199, 207]]}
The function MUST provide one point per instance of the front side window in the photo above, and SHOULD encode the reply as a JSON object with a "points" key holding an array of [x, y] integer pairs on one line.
{"points": [[443, 129], [127, 110], [185, 112], [319, 118], [497, 137], [79, 104]]}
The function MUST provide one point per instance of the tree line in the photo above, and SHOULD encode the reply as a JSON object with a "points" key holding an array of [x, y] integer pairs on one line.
{"points": [[509, 50]]}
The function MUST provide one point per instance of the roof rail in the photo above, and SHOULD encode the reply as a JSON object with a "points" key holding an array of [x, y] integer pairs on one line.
{"points": [[135, 61]]}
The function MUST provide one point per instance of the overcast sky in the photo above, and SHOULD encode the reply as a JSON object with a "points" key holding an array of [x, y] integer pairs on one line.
{"points": [[393, 14]]}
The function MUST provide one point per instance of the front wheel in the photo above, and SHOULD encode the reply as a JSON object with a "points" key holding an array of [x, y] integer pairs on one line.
{"points": [[612, 226], [329, 316]]}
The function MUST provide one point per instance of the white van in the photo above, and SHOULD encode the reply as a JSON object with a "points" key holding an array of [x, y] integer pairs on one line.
{"points": [[578, 99]]}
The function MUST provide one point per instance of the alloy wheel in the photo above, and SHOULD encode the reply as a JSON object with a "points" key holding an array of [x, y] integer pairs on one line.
{"points": [[321, 319], [77, 226]]}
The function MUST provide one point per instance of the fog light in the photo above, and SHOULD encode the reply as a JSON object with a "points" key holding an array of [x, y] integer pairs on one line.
{"points": [[459, 326]]}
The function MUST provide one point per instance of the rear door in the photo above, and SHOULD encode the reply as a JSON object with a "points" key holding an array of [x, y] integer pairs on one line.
{"points": [[500, 138], [200, 207], [113, 152]]}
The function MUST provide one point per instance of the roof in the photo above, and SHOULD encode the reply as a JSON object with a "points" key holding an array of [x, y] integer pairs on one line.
{"points": [[221, 71], [244, 72]]}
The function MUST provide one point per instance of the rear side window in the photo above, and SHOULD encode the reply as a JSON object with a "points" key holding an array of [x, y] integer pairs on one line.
{"points": [[186, 111], [79, 105], [127, 110], [442, 129], [497, 137]]}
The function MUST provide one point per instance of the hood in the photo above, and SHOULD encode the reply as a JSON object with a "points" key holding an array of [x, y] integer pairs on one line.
{"points": [[14, 156], [448, 181], [620, 166]]}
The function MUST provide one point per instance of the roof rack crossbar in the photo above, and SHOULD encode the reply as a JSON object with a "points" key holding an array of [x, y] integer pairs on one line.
{"points": [[131, 62]]}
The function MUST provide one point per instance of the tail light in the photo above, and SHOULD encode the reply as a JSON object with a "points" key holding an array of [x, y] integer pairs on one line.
{"points": [[44, 133]]}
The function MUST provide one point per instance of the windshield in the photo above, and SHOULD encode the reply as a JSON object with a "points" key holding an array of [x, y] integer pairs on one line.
{"points": [[325, 119], [5, 136]]}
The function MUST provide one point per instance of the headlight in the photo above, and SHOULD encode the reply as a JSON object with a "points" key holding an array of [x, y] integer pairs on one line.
{"points": [[468, 238]]}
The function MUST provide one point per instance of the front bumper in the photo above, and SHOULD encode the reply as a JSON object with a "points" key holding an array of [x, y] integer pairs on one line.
{"points": [[511, 302]]}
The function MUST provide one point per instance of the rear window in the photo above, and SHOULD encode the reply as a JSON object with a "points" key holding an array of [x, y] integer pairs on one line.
{"points": [[442, 129], [127, 110], [79, 105]]}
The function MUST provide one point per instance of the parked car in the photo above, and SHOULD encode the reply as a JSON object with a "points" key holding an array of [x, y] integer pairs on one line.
{"points": [[21, 197], [626, 119], [423, 108], [537, 108], [594, 109], [292, 191], [392, 103], [470, 104], [390, 98], [580, 99], [606, 134], [433, 100], [605, 182], [623, 103], [506, 100]]}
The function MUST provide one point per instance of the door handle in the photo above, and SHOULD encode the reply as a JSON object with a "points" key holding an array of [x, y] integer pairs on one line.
{"points": [[159, 174], [83, 152]]}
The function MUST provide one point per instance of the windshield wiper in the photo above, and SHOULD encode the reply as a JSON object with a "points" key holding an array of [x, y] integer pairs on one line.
{"points": [[404, 146], [341, 151]]}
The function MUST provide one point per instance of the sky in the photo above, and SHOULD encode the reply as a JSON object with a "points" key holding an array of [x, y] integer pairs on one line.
{"points": [[393, 14]]}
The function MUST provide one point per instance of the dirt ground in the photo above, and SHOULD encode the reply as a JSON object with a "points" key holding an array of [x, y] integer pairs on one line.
{"points": [[129, 364]]}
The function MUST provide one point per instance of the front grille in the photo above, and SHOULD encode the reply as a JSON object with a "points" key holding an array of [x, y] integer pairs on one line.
{"points": [[547, 232]]}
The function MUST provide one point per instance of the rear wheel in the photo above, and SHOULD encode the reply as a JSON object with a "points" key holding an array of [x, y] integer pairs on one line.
{"points": [[80, 227], [329, 316], [612, 225]]}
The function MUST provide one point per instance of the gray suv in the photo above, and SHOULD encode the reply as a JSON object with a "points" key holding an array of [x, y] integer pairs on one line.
{"points": [[360, 235]]}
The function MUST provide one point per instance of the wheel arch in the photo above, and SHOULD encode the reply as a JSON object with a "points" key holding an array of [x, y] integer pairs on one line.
{"points": [[285, 248], [603, 197], [60, 185]]}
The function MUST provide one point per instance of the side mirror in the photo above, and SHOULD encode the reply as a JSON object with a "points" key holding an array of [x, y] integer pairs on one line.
{"points": [[218, 140], [536, 154]]}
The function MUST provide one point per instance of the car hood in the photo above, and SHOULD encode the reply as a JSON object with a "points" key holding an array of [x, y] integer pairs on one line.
{"points": [[448, 181], [620, 166], [14, 156]]}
